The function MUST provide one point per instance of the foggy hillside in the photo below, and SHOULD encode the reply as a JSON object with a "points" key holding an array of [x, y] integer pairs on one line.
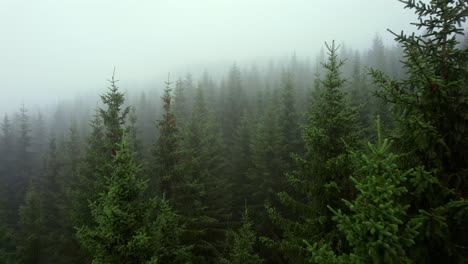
{"points": [[234, 131]]}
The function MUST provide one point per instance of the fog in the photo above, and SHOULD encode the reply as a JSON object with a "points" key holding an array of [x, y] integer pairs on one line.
{"points": [[54, 49]]}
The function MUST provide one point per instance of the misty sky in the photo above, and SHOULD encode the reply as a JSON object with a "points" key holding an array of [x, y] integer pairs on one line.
{"points": [[52, 49]]}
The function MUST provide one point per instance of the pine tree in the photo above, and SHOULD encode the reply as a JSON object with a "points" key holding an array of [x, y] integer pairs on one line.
{"points": [[181, 110], [30, 234], [8, 209], [107, 131], [166, 152], [241, 162], [377, 228], [133, 134], [320, 178], [24, 158], [70, 176], [242, 246], [126, 230], [265, 175], [207, 206], [430, 109], [114, 116], [85, 189], [7, 172], [234, 105], [289, 120], [55, 209]]}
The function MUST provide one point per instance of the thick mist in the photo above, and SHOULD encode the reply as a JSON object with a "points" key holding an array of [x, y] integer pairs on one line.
{"points": [[53, 49]]}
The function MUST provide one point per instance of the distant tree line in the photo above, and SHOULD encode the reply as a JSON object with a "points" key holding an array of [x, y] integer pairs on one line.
{"points": [[357, 158]]}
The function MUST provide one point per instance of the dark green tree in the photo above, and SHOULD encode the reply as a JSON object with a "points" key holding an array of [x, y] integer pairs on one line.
{"points": [[53, 210], [320, 178], [133, 134], [430, 109], [181, 108], [127, 229], [291, 133], [208, 206], [377, 226], [114, 115], [30, 233], [242, 244], [168, 179], [24, 158], [8, 209]]}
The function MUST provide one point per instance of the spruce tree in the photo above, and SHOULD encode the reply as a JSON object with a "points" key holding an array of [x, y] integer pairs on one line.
{"points": [[7, 173], [320, 177], [91, 169], [114, 115], [291, 134], [208, 205], [53, 197], [133, 134], [377, 226], [30, 234], [430, 107], [234, 105], [242, 244], [107, 130], [126, 230], [181, 110], [70, 173], [8, 209], [168, 179], [267, 158]]}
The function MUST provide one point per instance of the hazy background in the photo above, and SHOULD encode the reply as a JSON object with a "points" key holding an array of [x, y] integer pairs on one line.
{"points": [[52, 49]]}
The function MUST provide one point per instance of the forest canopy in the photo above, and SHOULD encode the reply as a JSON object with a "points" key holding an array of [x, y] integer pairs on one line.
{"points": [[356, 157]]}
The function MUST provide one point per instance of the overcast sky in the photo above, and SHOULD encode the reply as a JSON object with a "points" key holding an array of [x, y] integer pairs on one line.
{"points": [[52, 49]]}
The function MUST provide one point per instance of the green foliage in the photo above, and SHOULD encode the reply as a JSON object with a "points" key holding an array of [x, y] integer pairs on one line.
{"points": [[429, 105], [126, 229], [85, 187], [114, 116], [166, 152], [376, 227], [30, 233], [206, 202], [242, 244], [430, 109], [289, 120], [319, 178]]}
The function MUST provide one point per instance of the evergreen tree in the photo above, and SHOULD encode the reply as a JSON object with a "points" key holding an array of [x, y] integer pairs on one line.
{"points": [[242, 244], [70, 176], [377, 227], [30, 234], [24, 158], [125, 230], [108, 129], [7, 173], [289, 120], [320, 178], [8, 208], [52, 208], [430, 109], [208, 206], [91, 169], [265, 175], [241, 162], [181, 110], [234, 105], [133, 134], [114, 116], [166, 151]]}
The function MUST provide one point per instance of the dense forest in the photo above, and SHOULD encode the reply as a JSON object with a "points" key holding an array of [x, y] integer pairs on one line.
{"points": [[355, 157]]}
